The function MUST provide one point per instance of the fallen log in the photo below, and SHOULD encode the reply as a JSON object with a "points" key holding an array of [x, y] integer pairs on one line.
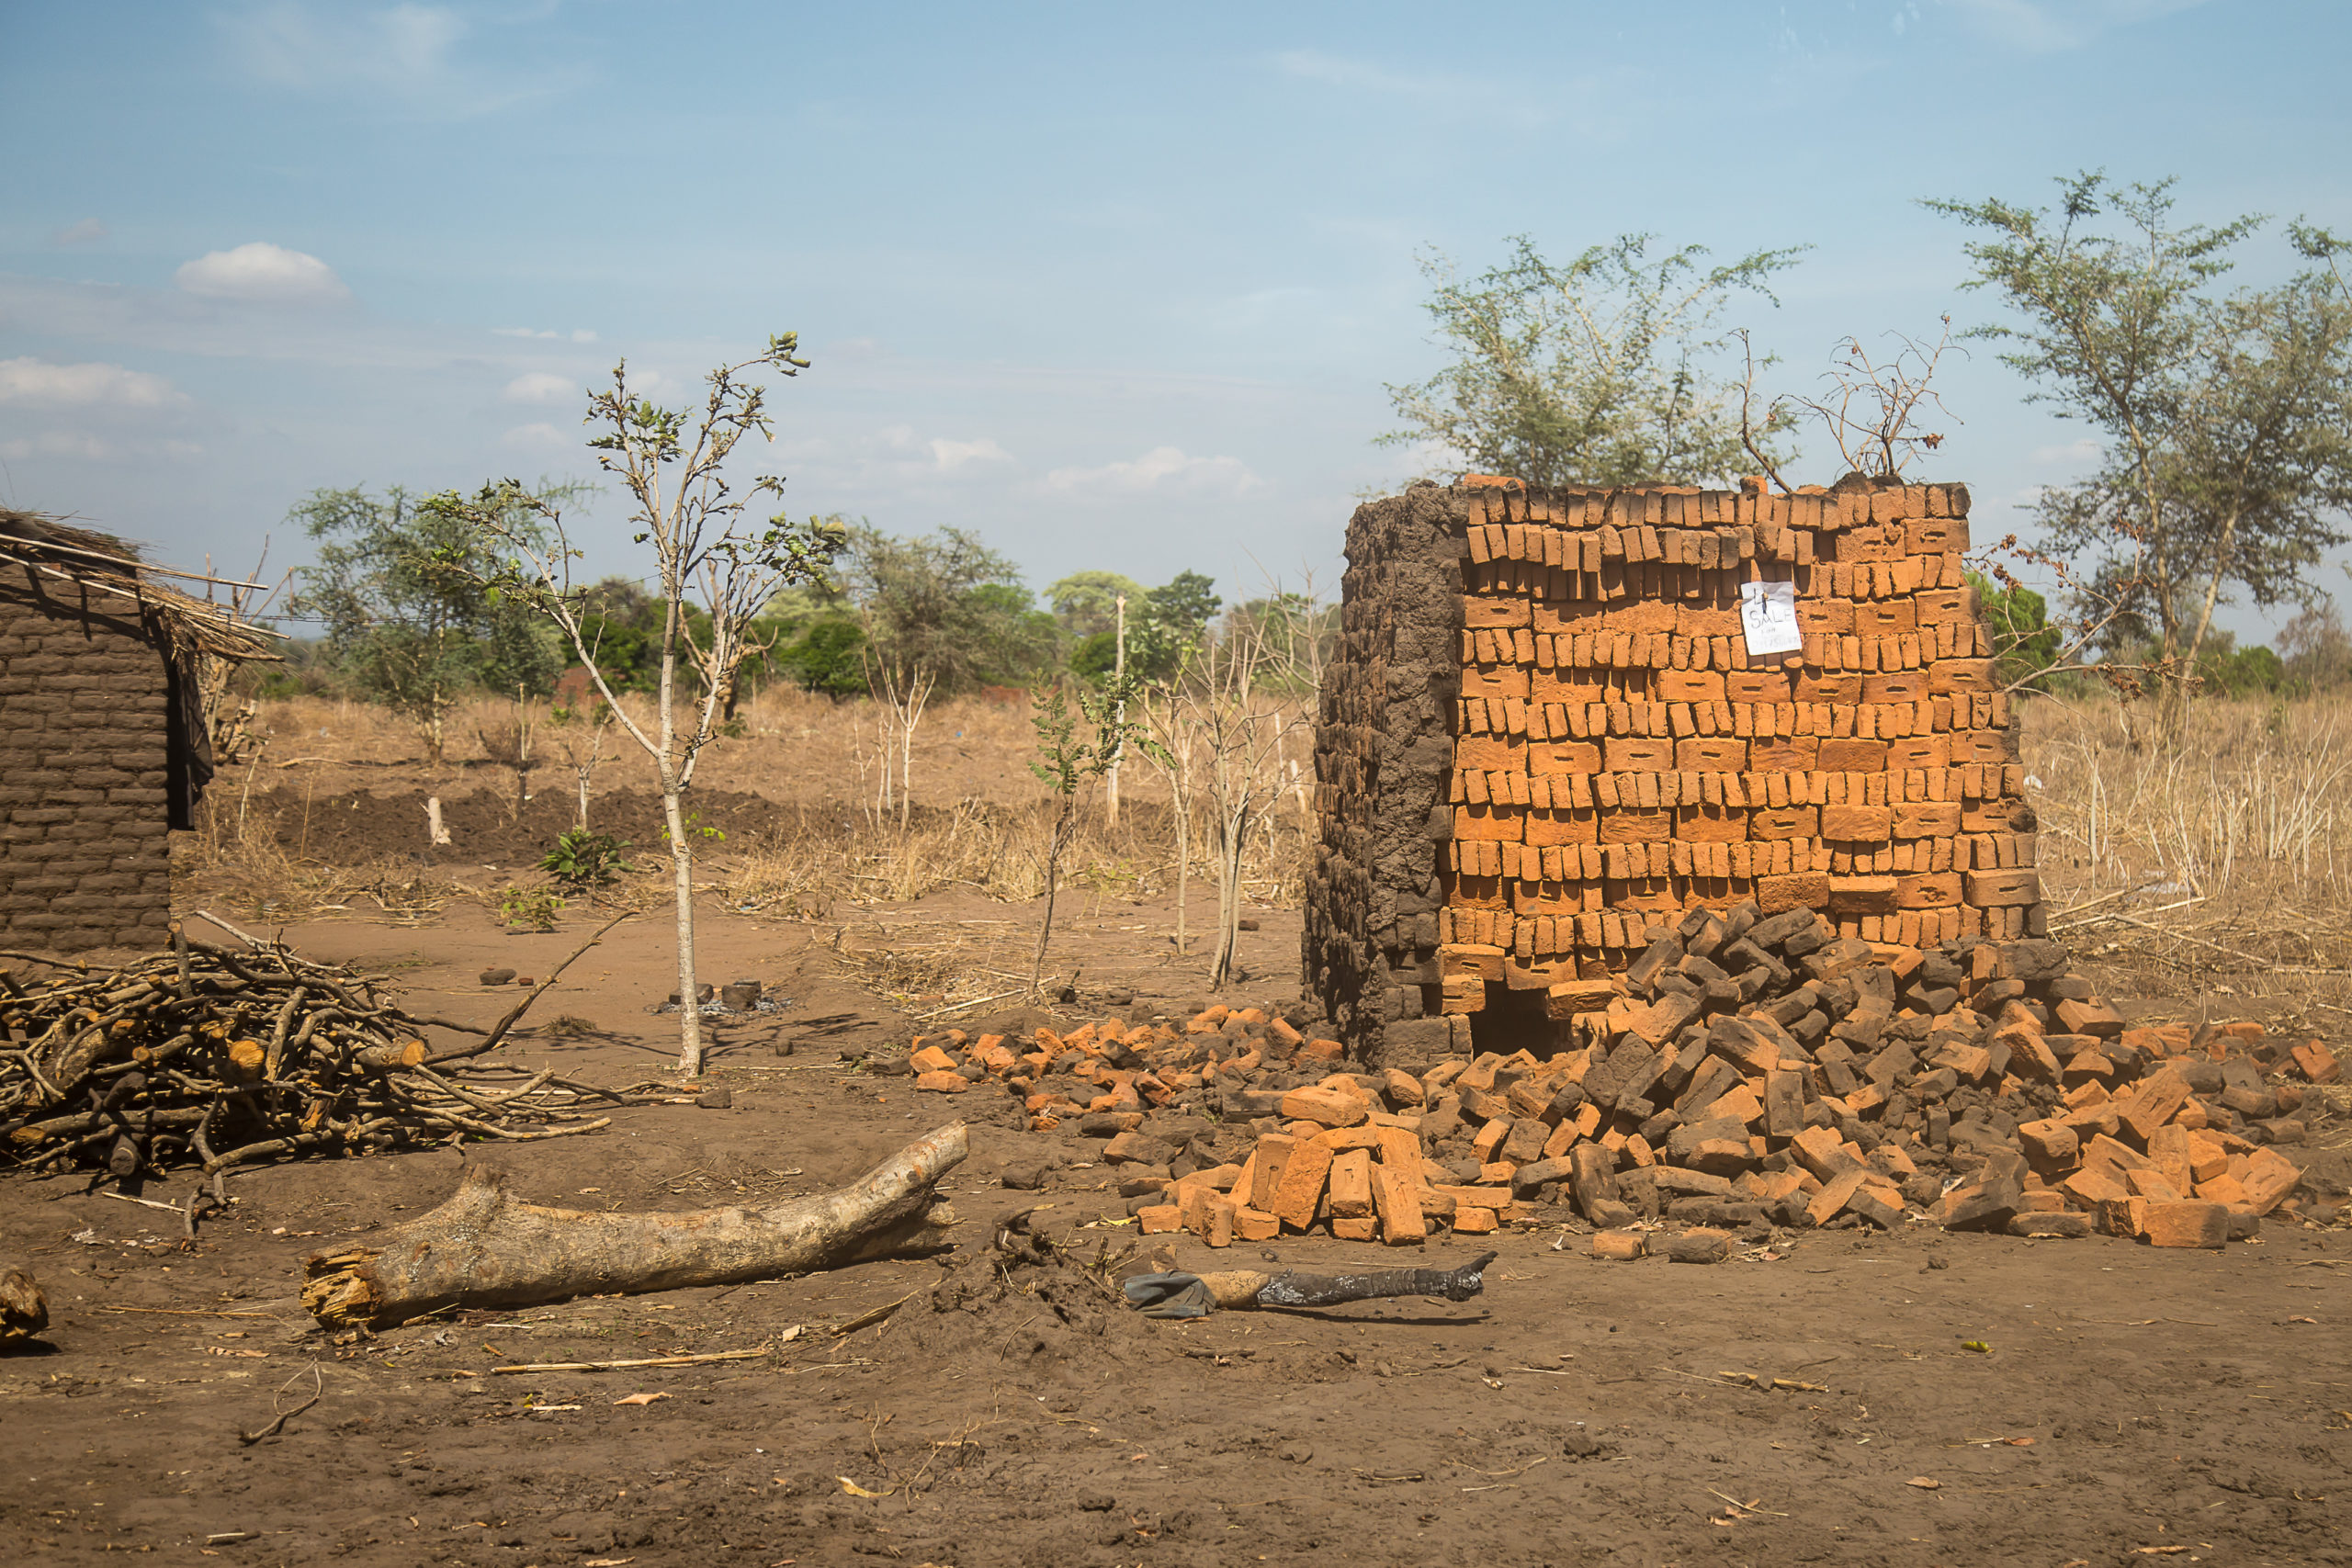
{"points": [[23, 1312], [484, 1248]]}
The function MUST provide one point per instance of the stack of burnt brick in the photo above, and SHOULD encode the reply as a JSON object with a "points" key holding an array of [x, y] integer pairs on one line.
{"points": [[1545, 731]]}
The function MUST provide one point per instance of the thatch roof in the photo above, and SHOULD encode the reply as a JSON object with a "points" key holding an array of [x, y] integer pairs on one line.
{"points": [[100, 562]]}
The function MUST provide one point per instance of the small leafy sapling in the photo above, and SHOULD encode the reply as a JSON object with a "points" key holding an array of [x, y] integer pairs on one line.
{"points": [[709, 561], [583, 861], [1064, 763]]}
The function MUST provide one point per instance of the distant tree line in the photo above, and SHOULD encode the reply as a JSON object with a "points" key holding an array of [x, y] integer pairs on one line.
{"points": [[405, 616]]}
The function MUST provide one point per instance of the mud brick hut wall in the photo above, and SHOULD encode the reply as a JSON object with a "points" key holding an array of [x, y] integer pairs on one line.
{"points": [[1542, 735], [103, 742]]}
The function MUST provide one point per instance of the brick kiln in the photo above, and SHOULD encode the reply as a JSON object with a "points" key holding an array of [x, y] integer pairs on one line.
{"points": [[103, 745], [1544, 732]]}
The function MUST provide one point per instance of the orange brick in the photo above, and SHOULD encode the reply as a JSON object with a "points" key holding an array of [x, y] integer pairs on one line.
{"points": [[1469, 1220], [1784, 754], [1266, 1165], [1301, 1185], [1638, 754], [1256, 1224], [1925, 820], [1860, 895], [1709, 754], [1363, 1228], [1802, 890], [2317, 1063], [1927, 890], [2001, 889], [2185, 1224], [942, 1083], [1330, 1107], [2270, 1176], [1397, 1196], [1350, 1184], [1489, 824], [1159, 1218], [1850, 756], [1835, 1195]]}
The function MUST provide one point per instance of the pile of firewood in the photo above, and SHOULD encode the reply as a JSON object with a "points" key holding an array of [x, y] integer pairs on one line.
{"points": [[212, 1058]]}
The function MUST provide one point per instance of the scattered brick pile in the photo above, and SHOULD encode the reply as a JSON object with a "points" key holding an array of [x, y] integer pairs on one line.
{"points": [[1746, 1069]]}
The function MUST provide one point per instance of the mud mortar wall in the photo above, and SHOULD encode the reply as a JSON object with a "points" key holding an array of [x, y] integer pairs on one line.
{"points": [[1542, 735], [84, 850]]}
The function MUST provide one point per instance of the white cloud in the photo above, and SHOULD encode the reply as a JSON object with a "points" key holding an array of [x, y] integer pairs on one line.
{"points": [[1453, 94], [38, 384], [2043, 27], [1314, 65], [414, 54], [952, 455], [1161, 467], [540, 436], [2072, 454], [55, 443], [88, 232], [264, 273], [577, 335], [540, 386]]}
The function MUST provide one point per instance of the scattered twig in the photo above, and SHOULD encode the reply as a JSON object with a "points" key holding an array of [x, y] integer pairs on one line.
{"points": [[868, 1319], [640, 1361], [318, 1392]]}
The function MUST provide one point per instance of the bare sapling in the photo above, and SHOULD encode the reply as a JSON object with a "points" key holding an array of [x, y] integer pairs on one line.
{"points": [[1118, 673], [1239, 701], [1064, 763], [671, 463], [509, 746], [1174, 755], [903, 683], [580, 735]]}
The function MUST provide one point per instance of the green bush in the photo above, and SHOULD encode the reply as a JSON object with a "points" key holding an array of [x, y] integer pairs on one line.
{"points": [[582, 860], [827, 658]]}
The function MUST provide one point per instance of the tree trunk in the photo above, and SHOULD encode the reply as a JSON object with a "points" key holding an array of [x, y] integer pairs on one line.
{"points": [[1183, 863], [484, 1248], [1053, 880], [1119, 719], [1232, 830], [681, 866], [2213, 590]]}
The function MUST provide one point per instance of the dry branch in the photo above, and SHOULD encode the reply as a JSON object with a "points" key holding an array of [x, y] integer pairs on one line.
{"points": [[484, 1248]]}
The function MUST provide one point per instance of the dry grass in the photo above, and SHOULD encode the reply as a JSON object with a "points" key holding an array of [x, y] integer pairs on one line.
{"points": [[2234, 837], [980, 820]]}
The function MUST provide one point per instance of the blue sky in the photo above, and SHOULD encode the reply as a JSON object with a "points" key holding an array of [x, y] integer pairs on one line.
{"points": [[1116, 287]]}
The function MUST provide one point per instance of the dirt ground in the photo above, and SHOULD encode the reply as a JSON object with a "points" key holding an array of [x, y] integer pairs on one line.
{"points": [[2125, 1405]]}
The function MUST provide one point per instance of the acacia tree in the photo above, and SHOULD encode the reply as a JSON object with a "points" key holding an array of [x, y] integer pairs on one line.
{"points": [[1603, 371], [401, 590], [708, 566], [940, 613], [2228, 447]]}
